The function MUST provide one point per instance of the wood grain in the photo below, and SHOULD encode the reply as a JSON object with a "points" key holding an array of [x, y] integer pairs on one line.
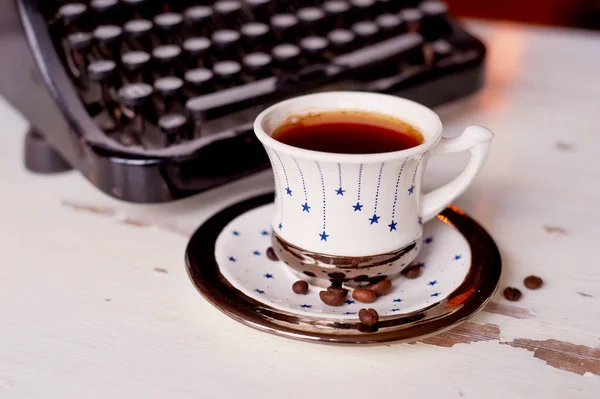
{"points": [[465, 333], [566, 356]]}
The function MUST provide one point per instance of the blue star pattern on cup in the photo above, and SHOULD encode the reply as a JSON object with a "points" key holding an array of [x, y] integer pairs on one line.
{"points": [[245, 265]]}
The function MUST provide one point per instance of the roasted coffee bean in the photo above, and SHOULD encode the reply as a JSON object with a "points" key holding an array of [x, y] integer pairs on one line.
{"points": [[412, 272], [300, 287], [368, 317], [271, 254], [332, 298], [363, 295], [381, 288], [512, 294], [341, 290], [533, 282]]}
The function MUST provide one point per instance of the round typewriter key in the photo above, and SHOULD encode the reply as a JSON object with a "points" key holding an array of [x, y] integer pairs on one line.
{"points": [[103, 6], [433, 8], [434, 24], [227, 7], [362, 5], [226, 42], [79, 41], [138, 28], [441, 47], [168, 86], [412, 17], [336, 8], [170, 90], [341, 39], [227, 71], [196, 48], [229, 12], [314, 45], [284, 25], [198, 79], [106, 11], [173, 126], [286, 54], [108, 37], [167, 57], [311, 17], [365, 30], [168, 21], [107, 34], [135, 94], [196, 45], [255, 35], [199, 18], [72, 12], [258, 63], [167, 53], [197, 14], [135, 60], [390, 24], [102, 69]]}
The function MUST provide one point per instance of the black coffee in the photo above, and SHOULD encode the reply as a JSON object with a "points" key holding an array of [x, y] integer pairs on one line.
{"points": [[348, 132]]}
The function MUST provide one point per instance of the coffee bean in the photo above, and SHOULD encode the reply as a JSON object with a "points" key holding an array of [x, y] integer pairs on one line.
{"points": [[300, 287], [412, 272], [533, 282], [332, 298], [368, 317], [271, 254], [363, 295], [335, 288], [512, 294], [381, 288]]}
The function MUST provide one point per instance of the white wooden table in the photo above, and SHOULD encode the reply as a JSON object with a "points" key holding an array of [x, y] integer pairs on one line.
{"points": [[95, 301]]}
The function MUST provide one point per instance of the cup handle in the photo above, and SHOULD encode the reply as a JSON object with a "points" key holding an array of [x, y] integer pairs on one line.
{"points": [[477, 140]]}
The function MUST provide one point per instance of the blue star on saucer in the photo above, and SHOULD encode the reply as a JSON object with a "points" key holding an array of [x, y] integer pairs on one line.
{"points": [[374, 219], [305, 207], [357, 207], [288, 191], [411, 189], [339, 191]]}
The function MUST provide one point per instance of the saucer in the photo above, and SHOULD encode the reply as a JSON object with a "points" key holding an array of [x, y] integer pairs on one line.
{"points": [[227, 262]]}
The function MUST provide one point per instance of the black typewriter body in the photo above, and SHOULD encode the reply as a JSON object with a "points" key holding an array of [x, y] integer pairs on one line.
{"points": [[153, 101]]}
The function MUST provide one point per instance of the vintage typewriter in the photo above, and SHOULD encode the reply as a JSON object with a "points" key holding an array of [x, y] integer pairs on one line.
{"points": [[153, 100]]}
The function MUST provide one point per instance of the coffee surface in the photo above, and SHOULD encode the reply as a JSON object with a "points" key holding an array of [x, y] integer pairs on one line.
{"points": [[348, 132]]}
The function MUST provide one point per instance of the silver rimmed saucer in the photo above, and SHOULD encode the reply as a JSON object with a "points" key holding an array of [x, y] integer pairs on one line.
{"points": [[227, 262]]}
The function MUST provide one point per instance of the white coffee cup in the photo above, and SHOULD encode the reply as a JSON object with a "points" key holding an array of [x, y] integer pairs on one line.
{"points": [[360, 205]]}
